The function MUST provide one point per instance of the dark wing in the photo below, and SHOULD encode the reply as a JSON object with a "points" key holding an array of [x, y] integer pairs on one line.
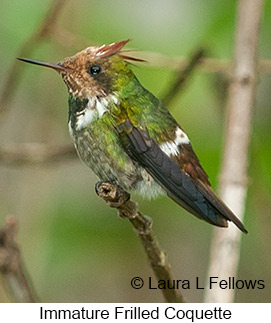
{"points": [[189, 163], [194, 196]]}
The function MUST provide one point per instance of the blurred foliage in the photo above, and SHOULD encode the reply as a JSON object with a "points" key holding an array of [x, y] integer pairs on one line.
{"points": [[74, 246]]}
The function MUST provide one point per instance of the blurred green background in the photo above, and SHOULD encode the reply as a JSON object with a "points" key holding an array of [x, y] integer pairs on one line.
{"points": [[75, 247]]}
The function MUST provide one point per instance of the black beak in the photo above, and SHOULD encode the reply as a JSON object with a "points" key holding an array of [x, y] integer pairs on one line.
{"points": [[54, 66]]}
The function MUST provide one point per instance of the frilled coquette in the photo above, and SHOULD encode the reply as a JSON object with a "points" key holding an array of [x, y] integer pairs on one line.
{"points": [[128, 137]]}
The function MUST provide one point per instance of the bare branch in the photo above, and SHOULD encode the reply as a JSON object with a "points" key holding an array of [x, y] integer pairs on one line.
{"points": [[182, 77], [233, 181], [35, 153], [209, 65], [119, 199], [11, 266], [48, 28], [15, 71]]}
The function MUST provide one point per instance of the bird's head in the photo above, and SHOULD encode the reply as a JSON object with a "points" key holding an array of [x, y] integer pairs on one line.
{"points": [[95, 71]]}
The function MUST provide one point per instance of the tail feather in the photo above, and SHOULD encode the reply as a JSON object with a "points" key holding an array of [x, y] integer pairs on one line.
{"points": [[219, 207]]}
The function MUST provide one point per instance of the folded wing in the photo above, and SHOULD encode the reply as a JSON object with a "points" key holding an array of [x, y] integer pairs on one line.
{"points": [[195, 195]]}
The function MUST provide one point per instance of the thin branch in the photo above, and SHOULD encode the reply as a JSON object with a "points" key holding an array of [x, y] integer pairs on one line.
{"points": [[48, 28], [35, 153], [119, 199], [225, 250], [41, 33], [11, 266], [182, 77], [209, 65]]}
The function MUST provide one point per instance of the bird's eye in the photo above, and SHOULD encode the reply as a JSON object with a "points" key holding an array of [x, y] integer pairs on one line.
{"points": [[94, 70]]}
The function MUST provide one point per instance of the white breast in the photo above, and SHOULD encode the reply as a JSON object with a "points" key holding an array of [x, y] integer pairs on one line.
{"points": [[95, 108], [85, 118]]}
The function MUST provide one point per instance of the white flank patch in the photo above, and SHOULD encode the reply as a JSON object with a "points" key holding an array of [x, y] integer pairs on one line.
{"points": [[181, 137], [172, 147]]}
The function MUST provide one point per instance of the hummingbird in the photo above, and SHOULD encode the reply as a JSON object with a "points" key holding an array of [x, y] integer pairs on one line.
{"points": [[128, 137]]}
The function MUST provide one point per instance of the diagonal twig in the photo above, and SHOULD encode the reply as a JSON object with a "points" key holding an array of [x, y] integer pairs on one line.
{"points": [[11, 266], [182, 77], [119, 199], [13, 75], [208, 64]]}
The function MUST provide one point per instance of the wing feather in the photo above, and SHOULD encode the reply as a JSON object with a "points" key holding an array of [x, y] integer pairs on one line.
{"points": [[195, 196]]}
